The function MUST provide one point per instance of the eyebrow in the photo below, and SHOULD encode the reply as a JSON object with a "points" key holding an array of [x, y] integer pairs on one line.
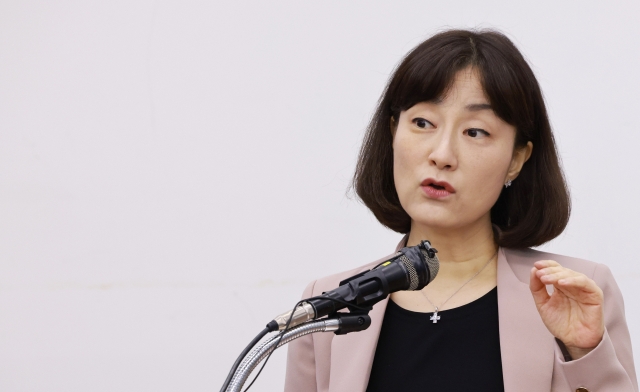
{"points": [[474, 107]]}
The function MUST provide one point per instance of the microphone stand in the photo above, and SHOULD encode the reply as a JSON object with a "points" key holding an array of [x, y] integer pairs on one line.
{"points": [[410, 269], [339, 323]]}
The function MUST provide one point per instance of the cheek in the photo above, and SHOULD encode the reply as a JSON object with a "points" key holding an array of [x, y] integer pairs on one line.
{"points": [[485, 178], [405, 161]]}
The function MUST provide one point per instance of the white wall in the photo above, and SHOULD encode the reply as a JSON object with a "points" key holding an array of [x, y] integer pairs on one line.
{"points": [[172, 174]]}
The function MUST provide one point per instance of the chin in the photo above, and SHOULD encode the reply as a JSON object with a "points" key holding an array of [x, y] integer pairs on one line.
{"points": [[445, 215], [436, 221]]}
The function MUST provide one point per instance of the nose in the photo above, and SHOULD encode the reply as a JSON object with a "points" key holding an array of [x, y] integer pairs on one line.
{"points": [[443, 153]]}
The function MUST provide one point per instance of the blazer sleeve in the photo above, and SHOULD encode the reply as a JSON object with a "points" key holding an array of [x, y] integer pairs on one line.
{"points": [[609, 367], [301, 364]]}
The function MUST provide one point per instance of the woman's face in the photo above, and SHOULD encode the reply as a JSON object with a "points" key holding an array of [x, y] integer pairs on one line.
{"points": [[458, 140]]}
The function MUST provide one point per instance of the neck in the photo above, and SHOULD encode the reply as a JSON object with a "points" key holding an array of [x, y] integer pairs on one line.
{"points": [[468, 245]]}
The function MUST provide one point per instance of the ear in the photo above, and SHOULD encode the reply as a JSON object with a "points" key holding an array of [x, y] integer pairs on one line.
{"points": [[393, 125], [520, 156]]}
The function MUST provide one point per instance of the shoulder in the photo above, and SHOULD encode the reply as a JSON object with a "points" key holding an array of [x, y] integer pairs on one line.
{"points": [[526, 258], [521, 261], [330, 282]]}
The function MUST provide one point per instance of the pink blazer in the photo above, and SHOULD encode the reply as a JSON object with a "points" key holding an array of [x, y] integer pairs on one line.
{"points": [[531, 359]]}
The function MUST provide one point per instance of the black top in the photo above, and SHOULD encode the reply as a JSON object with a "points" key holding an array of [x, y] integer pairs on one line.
{"points": [[461, 352]]}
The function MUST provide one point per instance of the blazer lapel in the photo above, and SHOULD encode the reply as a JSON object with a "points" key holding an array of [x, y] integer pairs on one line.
{"points": [[526, 345], [352, 354]]}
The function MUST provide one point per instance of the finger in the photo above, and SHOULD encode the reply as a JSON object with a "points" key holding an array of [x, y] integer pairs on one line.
{"points": [[538, 289], [554, 277], [549, 271], [580, 288], [580, 282], [545, 263]]}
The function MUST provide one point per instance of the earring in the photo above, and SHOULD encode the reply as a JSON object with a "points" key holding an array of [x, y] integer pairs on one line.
{"points": [[507, 184]]}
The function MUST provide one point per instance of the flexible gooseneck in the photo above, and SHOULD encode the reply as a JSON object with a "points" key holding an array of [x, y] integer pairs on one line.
{"points": [[259, 353], [340, 324]]}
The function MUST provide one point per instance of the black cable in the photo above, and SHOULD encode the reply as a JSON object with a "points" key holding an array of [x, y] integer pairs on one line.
{"points": [[286, 328], [271, 327], [241, 357], [281, 335]]}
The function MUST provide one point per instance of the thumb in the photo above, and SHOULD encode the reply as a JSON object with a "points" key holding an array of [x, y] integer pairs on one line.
{"points": [[538, 289]]}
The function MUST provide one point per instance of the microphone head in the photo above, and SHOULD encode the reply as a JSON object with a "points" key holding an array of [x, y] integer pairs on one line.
{"points": [[422, 264], [433, 264]]}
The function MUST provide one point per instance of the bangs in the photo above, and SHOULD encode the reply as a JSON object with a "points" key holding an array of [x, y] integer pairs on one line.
{"points": [[429, 71], [426, 78]]}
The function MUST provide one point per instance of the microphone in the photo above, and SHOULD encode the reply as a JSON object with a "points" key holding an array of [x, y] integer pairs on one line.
{"points": [[412, 268]]}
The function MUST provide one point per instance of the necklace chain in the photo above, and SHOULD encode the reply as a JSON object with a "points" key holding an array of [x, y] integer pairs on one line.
{"points": [[435, 316]]}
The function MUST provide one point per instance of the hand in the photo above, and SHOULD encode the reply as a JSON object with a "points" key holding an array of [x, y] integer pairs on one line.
{"points": [[573, 313]]}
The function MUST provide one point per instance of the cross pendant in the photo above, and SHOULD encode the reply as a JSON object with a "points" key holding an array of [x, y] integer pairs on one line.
{"points": [[435, 317]]}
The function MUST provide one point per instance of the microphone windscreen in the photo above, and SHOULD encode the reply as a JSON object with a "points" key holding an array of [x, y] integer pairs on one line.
{"points": [[417, 264], [433, 264]]}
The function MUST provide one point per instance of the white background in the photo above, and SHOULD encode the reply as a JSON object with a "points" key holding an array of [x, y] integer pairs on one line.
{"points": [[173, 174]]}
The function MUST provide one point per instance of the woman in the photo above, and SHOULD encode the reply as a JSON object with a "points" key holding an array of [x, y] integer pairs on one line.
{"points": [[460, 152]]}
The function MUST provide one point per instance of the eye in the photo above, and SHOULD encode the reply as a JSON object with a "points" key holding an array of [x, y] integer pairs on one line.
{"points": [[421, 122], [476, 132]]}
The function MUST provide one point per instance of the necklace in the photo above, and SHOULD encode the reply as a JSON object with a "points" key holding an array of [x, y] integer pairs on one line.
{"points": [[435, 316]]}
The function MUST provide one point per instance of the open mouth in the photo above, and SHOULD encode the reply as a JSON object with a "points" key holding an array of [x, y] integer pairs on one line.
{"points": [[437, 186]]}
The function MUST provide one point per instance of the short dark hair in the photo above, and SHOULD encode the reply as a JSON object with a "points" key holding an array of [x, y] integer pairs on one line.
{"points": [[536, 208]]}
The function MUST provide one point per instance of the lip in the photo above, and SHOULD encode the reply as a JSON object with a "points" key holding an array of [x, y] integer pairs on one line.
{"points": [[436, 193]]}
